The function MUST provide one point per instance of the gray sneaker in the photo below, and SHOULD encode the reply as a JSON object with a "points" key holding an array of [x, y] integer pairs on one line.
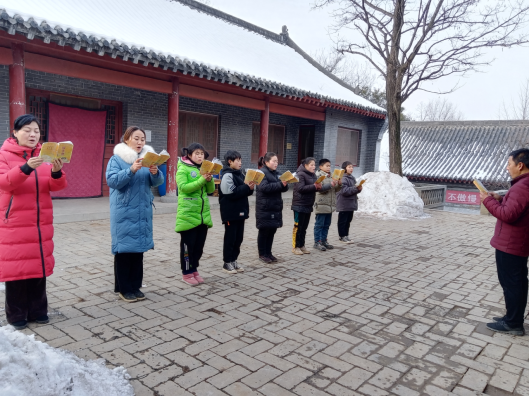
{"points": [[319, 246], [228, 268], [502, 327], [237, 267]]}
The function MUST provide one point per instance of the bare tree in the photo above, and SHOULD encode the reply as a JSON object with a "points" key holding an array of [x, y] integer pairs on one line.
{"points": [[412, 41], [519, 106], [439, 109]]}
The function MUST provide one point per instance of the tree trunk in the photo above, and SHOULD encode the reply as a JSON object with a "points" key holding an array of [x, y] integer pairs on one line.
{"points": [[394, 109]]}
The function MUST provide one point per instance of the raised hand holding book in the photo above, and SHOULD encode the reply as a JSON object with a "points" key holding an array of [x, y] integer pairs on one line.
{"points": [[321, 179], [211, 167], [151, 158], [480, 186], [288, 177], [255, 176], [361, 182], [51, 151]]}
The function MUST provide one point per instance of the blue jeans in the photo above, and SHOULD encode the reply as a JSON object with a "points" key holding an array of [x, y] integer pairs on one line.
{"points": [[321, 227]]}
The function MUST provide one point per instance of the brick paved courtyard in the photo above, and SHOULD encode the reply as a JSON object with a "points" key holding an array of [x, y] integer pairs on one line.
{"points": [[399, 312]]}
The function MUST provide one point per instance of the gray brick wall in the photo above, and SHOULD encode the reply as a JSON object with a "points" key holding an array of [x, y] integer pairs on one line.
{"points": [[369, 130], [149, 111]]}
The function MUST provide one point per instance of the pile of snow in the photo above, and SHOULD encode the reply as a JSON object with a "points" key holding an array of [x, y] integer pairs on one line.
{"points": [[389, 195], [30, 367]]}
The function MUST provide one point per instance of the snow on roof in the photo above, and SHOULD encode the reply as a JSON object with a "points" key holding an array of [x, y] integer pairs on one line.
{"points": [[170, 34], [460, 151]]}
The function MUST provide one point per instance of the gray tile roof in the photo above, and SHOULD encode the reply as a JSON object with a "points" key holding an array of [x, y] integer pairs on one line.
{"points": [[459, 151], [16, 24]]}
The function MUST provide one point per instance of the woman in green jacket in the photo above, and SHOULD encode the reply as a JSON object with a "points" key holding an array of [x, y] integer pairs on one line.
{"points": [[192, 217]]}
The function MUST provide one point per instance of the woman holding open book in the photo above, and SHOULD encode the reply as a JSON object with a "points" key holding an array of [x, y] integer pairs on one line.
{"points": [[26, 232], [269, 206], [131, 202]]}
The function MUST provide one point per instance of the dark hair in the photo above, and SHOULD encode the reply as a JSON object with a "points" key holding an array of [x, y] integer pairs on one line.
{"points": [[231, 155], [188, 151], [308, 160], [131, 130], [345, 164], [324, 161], [24, 120], [266, 158], [520, 155]]}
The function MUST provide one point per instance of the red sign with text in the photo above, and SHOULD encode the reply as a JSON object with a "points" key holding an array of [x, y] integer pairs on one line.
{"points": [[460, 197]]}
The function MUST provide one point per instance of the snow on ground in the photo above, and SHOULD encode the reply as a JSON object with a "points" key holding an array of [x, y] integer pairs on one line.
{"points": [[2, 286], [30, 367], [389, 195]]}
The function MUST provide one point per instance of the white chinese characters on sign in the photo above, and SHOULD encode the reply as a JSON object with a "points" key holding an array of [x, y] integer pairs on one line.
{"points": [[461, 197]]}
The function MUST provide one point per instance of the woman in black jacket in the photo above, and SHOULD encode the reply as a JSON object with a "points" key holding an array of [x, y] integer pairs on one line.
{"points": [[303, 202], [269, 206]]}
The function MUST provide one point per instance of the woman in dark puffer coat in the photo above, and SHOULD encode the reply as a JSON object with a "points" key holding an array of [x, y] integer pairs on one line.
{"points": [[269, 206], [303, 203]]}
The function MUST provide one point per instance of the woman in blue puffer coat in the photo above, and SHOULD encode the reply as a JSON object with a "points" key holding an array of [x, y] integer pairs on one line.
{"points": [[131, 213]]}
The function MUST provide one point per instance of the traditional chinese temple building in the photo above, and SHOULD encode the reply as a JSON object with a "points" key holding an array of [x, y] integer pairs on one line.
{"points": [[182, 71], [454, 153]]}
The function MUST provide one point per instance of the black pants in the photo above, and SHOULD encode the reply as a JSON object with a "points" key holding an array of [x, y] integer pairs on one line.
{"points": [[344, 222], [128, 272], [26, 299], [233, 236], [512, 273], [301, 224], [191, 248], [265, 240]]}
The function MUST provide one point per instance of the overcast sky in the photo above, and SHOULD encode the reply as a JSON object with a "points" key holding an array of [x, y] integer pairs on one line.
{"points": [[480, 95]]}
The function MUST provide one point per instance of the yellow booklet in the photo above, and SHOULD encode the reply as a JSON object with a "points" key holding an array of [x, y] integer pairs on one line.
{"points": [[52, 150], [321, 179], [151, 158], [338, 174], [480, 186], [255, 176], [289, 177], [211, 167], [361, 182]]}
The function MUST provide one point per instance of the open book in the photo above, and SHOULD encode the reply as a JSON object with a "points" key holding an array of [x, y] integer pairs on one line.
{"points": [[321, 179], [52, 151], [211, 167], [151, 158], [361, 182], [255, 176], [480, 186], [338, 174], [289, 177]]}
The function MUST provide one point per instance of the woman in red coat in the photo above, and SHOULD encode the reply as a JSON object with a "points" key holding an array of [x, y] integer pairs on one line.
{"points": [[26, 230]]}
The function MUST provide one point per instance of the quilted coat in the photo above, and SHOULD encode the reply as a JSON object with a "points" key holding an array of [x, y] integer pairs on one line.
{"points": [[512, 213], [131, 201], [304, 191], [26, 229], [193, 203], [269, 203], [326, 196], [347, 197]]}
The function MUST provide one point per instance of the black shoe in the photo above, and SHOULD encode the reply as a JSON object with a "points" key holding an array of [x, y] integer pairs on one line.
{"points": [[500, 326], [20, 324], [497, 319], [228, 268], [265, 259], [273, 258], [237, 267], [139, 295], [42, 320], [319, 246], [327, 245], [128, 297]]}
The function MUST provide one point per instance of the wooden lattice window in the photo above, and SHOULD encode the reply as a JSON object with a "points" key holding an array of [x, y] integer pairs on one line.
{"points": [[38, 107], [347, 146], [201, 128], [110, 129], [276, 141]]}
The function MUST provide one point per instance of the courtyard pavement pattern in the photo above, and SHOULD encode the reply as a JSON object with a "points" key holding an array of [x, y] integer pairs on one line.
{"points": [[400, 312]]}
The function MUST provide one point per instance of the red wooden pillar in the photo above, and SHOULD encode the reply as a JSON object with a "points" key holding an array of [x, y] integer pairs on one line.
{"points": [[263, 139], [17, 84], [172, 138]]}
